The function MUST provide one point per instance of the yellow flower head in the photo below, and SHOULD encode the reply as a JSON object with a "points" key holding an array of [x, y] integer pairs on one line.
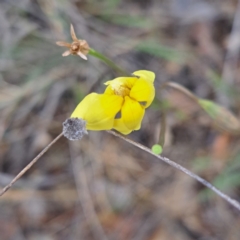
{"points": [[121, 106]]}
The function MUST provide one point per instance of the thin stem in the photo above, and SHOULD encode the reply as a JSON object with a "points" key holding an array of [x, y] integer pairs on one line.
{"points": [[179, 88], [163, 124], [109, 62], [24, 170], [231, 201]]}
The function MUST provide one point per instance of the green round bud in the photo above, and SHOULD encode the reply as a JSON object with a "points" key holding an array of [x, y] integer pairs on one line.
{"points": [[157, 149]]}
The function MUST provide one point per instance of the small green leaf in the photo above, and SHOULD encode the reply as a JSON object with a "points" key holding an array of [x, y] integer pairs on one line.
{"points": [[157, 149]]}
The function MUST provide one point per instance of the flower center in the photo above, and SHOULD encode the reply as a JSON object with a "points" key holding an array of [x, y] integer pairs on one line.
{"points": [[120, 89], [75, 47]]}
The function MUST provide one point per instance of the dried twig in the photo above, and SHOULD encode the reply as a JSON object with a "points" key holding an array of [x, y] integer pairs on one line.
{"points": [[181, 168], [30, 164], [231, 201]]}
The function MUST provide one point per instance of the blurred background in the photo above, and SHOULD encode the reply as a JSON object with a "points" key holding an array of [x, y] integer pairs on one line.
{"points": [[101, 187]]}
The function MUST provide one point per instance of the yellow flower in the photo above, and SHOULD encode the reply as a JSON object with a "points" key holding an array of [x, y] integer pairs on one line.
{"points": [[121, 106]]}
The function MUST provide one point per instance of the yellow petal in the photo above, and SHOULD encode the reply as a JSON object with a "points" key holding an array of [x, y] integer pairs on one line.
{"points": [[131, 116], [117, 85], [127, 81], [143, 91], [121, 127], [147, 75], [98, 110]]}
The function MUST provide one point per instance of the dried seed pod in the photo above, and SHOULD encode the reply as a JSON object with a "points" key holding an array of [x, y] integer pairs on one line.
{"points": [[74, 128], [77, 47]]}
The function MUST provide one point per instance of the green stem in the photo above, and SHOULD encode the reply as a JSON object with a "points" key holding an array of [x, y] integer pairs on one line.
{"points": [[109, 62]]}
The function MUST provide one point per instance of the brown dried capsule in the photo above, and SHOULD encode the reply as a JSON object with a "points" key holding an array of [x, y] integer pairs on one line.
{"points": [[77, 47]]}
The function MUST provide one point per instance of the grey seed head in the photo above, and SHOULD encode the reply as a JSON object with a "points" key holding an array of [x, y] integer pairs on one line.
{"points": [[74, 128]]}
